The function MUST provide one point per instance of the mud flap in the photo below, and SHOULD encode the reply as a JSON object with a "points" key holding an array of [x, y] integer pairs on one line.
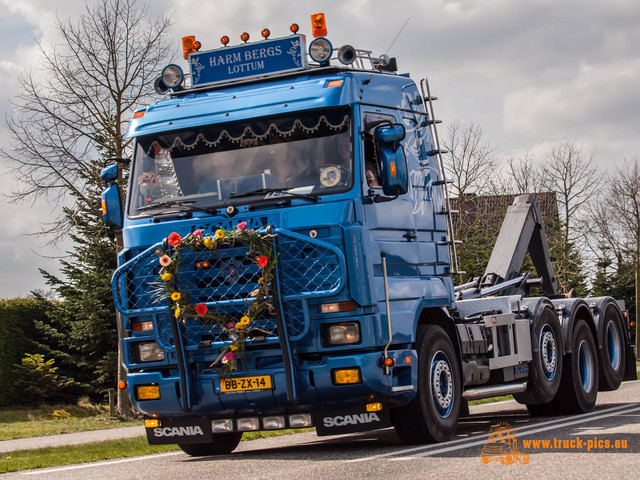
{"points": [[180, 430], [350, 420]]}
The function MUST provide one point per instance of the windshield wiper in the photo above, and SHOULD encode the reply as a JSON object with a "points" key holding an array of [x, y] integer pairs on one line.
{"points": [[183, 205], [283, 190]]}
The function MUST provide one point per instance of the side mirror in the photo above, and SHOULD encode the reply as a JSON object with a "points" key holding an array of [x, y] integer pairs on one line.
{"points": [[112, 206], [395, 176], [111, 202], [109, 173]]}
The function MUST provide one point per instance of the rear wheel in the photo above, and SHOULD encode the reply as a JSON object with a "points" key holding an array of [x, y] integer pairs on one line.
{"points": [[611, 358], [579, 388], [545, 369], [222, 444], [432, 416]]}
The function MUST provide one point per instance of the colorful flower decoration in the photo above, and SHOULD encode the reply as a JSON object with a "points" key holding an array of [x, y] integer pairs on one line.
{"points": [[260, 251], [174, 239]]}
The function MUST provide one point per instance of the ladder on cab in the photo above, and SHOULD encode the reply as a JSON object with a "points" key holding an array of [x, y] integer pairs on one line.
{"points": [[428, 99]]}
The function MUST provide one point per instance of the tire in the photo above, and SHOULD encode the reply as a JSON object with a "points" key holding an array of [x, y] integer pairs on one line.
{"points": [[612, 355], [432, 416], [223, 443], [579, 389], [545, 369]]}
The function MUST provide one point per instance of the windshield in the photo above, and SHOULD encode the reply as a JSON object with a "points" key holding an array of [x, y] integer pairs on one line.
{"points": [[303, 154]]}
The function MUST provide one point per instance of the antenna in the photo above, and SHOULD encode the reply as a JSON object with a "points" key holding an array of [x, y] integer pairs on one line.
{"points": [[396, 38]]}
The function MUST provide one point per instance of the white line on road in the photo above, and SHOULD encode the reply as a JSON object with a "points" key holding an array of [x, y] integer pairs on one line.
{"points": [[96, 464], [469, 441]]}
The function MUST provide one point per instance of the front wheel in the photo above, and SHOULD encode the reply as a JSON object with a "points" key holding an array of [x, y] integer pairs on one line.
{"points": [[432, 416], [222, 444]]}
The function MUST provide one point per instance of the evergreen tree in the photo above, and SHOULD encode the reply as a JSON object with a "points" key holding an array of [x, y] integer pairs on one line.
{"points": [[87, 314]]}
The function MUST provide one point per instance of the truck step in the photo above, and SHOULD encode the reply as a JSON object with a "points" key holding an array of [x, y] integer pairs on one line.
{"points": [[494, 391]]}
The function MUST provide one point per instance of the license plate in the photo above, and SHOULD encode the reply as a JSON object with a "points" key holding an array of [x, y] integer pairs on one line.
{"points": [[241, 384]]}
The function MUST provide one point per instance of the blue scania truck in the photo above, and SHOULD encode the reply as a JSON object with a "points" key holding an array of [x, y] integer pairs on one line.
{"points": [[332, 160]]}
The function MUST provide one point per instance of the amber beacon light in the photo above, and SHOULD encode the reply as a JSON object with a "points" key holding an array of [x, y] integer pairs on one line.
{"points": [[318, 25], [189, 45]]}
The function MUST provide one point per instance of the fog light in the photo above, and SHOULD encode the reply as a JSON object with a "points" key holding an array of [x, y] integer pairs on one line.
{"points": [[300, 420], [341, 334], [224, 425], [148, 352], [346, 376], [147, 392], [152, 423], [273, 423], [248, 424]]}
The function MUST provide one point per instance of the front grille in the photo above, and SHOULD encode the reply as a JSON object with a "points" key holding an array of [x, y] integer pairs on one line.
{"points": [[308, 268]]}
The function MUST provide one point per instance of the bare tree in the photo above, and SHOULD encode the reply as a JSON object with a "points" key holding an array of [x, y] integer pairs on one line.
{"points": [[76, 106], [73, 113], [521, 176], [571, 174], [615, 223], [471, 161]]}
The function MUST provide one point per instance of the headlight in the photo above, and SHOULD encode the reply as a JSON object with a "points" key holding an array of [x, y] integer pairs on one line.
{"points": [[320, 50], [341, 334], [148, 352]]}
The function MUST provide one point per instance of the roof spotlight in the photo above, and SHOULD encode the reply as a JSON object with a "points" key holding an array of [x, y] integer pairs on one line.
{"points": [[320, 50], [172, 76]]}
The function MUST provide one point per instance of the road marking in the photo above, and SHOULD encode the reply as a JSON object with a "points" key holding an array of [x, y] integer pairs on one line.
{"points": [[459, 444], [97, 464]]}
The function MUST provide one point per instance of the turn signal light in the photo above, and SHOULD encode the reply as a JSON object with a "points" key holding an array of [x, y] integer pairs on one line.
{"points": [[374, 407], [190, 45], [152, 423], [318, 25]]}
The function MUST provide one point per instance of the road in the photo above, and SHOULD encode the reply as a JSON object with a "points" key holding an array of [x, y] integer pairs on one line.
{"points": [[381, 455]]}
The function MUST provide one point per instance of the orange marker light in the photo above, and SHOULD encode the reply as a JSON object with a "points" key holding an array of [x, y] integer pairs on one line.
{"points": [[104, 207], [392, 168], [318, 25], [389, 362], [189, 45], [294, 28], [334, 83], [265, 33], [244, 37], [224, 40], [139, 114], [122, 384]]}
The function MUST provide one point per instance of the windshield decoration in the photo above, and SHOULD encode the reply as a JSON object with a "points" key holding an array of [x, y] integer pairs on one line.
{"points": [[213, 166]]}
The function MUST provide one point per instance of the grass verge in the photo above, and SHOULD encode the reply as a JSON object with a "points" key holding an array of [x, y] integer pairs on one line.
{"points": [[53, 420], [99, 451]]}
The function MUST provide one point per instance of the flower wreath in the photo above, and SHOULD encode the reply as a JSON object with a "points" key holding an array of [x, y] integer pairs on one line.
{"points": [[260, 251]]}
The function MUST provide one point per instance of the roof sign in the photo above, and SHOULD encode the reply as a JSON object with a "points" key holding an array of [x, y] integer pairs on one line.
{"points": [[250, 60]]}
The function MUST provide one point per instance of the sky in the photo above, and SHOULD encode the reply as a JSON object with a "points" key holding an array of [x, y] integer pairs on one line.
{"points": [[531, 73]]}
